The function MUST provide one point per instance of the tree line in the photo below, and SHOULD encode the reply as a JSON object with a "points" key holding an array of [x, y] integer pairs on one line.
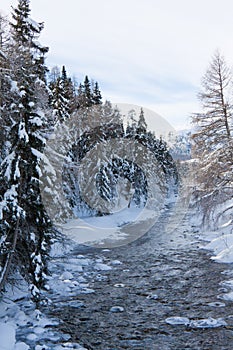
{"points": [[33, 103]]}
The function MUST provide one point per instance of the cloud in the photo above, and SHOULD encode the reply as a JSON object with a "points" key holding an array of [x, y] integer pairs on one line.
{"points": [[153, 51]]}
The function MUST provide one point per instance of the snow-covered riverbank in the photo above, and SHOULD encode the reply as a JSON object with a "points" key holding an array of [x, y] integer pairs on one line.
{"points": [[21, 319]]}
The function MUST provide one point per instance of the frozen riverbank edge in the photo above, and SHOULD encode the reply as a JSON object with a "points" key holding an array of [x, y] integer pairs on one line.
{"points": [[220, 244]]}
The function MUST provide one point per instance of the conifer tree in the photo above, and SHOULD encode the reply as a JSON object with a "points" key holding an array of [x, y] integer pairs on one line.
{"points": [[59, 102], [97, 98], [62, 98], [25, 228], [69, 90], [87, 92]]}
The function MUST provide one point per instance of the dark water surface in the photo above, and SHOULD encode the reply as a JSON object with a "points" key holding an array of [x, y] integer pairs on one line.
{"points": [[161, 275]]}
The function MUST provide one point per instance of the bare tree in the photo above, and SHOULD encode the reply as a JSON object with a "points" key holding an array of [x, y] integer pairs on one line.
{"points": [[213, 135]]}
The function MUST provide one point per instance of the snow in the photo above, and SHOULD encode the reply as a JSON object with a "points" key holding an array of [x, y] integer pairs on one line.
{"points": [[102, 267], [7, 332], [177, 320], [33, 23], [37, 153], [119, 285], [36, 121], [2, 55], [225, 256], [208, 323], [8, 160], [23, 133], [220, 243], [222, 247], [14, 86], [38, 44], [10, 195], [227, 223], [201, 323], [40, 113], [227, 296], [66, 276], [21, 346], [95, 230], [22, 93], [17, 171], [217, 304], [116, 309], [114, 262]]}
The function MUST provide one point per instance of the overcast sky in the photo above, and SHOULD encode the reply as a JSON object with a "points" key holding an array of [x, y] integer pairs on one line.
{"points": [[147, 52]]}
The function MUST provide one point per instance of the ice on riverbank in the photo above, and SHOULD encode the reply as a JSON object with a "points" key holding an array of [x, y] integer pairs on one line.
{"points": [[201, 323], [221, 245]]}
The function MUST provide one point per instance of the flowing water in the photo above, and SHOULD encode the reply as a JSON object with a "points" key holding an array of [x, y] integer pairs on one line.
{"points": [[161, 275]]}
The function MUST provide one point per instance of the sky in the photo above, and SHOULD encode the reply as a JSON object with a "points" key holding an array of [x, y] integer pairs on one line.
{"points": [[151, 53]]}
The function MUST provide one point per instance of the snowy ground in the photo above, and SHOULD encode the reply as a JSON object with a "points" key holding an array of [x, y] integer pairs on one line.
{"points": [[98, 230], [220, 242], [19, 317]]}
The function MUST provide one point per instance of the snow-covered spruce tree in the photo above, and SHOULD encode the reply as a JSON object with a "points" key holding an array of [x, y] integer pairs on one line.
{"points": [[59, 102], [88, 101], [95, 124], [97, 97], [25, 227], [88, 94], [99, 126], [213, 137], [62, 97], [80, 120], [69, 90]]}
